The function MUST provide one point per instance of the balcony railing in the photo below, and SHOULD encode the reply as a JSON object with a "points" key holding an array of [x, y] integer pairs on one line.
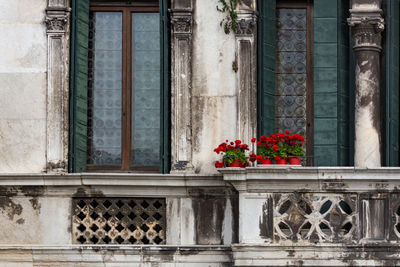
{"points": [[342, 214]]}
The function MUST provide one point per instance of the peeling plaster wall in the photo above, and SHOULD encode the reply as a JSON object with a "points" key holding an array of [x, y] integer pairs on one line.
{"points": [[214, 96], [23, 63]]}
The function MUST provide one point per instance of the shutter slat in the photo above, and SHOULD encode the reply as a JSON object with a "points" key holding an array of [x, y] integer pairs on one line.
{"points": [[164, 74], [266, 58], [392, 84], [79, 82]]}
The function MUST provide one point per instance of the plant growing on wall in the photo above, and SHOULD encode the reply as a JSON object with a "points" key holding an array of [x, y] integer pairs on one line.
{"points": [[230, 21]]}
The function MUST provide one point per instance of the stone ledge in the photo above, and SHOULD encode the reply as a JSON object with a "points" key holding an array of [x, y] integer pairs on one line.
{"points": [[113, 184], [113, 255], [317, 255], [313, 179]]}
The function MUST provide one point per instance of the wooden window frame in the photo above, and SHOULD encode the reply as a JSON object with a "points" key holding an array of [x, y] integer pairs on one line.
{"points": [[126, 115], [308, 5]]}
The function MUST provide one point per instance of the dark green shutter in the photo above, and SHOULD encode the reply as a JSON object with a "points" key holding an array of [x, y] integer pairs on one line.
{"points": [[392, 84], [165, 132], [78, 85], [266, 62]]}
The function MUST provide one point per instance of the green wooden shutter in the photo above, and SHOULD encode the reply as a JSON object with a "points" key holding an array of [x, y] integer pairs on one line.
{"points": [[266, 63], [78, 85], [392, 84], [165, 129]]}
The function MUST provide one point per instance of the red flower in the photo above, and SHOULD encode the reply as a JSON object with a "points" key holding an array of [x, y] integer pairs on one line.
{"points": [[253, 139], [275, 147], [263, 138], [259, 158], [238, 142], [219, 164], [287, 132], [278, 158], [258, 143], [253, 157]]}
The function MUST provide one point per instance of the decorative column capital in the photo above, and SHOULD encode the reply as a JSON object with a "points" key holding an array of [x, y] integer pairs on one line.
{"points": [[247, 22], [181, 20], [56, 19], [366, 29], [56, 24]]}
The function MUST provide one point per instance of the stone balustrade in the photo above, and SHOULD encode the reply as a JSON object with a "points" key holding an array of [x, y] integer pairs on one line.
{"points": [[317, 216]]}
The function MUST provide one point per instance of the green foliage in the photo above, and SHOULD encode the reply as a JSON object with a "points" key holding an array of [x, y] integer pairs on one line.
{"points": [[230, 22], [231, 155], [296, 150]]}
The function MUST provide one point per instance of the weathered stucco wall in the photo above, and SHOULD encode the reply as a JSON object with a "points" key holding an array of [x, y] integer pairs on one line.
{"points": [[214, 96], [23, 62]]}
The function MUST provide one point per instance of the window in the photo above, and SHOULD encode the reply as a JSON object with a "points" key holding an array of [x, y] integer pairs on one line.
{"points": [[293, 70], [119, 86], [124, 87], [285, 73]]}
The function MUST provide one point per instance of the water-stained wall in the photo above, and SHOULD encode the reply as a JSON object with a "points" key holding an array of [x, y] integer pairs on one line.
{"points": [[23, 63]]}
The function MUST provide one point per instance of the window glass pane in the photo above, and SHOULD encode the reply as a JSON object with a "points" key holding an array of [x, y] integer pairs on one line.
{"points": [[291, 72], [145, 89], [105, 64]]}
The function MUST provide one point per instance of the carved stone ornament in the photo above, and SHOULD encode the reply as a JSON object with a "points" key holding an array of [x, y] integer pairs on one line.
{"points": [[182, 24], [56, 24], [366, 32], [246, 26]]}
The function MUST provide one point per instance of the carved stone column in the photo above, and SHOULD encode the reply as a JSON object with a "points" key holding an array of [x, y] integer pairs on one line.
{"points": [[181, 87], [246, 60], [367, 24], [57, 23]]}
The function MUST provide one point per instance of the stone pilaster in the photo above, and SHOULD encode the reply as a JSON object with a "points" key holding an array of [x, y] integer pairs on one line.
{"points": [[57, 24], [367, 24], [181, 87], [246, 60]]}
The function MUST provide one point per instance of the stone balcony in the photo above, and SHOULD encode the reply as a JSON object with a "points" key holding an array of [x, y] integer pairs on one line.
{"points": [[263, 216], [317, 216]]}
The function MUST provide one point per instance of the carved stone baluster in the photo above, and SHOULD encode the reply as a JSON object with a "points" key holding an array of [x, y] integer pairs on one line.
{"points": [[57, 23], [246, 55], [181, 88], [367, 24]]}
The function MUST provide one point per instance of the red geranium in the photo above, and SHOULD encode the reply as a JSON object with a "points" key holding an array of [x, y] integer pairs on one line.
{"points": [[219, 164]]}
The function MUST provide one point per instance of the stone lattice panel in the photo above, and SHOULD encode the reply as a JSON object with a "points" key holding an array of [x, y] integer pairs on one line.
{"points": [[315, 217], [118, 221], [395, 212]]}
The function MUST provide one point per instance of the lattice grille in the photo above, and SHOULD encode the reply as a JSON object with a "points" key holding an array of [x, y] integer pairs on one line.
{"points": [[397, 221], [118, 221], [315, 217]]}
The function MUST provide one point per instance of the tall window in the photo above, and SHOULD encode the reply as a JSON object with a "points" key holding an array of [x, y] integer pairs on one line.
{"points": [[124, 86], [293, 70]]}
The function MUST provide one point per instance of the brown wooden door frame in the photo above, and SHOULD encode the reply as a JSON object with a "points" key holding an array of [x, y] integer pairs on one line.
{"points": [[308, 5], [127, 102]]}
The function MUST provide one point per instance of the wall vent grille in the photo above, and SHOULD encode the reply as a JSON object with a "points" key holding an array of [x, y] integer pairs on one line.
{"points": [[118, 221]]}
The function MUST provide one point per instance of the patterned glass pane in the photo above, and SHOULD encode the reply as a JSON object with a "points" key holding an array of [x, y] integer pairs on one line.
{"points": [[291, 72], [105, 64], [146, 89]]}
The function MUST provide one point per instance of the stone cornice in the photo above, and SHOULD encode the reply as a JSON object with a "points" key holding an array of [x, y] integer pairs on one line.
{"points": [[121, 184]]}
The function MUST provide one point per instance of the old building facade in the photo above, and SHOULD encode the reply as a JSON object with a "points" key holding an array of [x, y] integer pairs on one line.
{"points": [[110, 111]]}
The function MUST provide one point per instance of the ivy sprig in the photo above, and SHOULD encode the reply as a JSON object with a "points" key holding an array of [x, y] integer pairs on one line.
{"points": [[230, 21]]}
